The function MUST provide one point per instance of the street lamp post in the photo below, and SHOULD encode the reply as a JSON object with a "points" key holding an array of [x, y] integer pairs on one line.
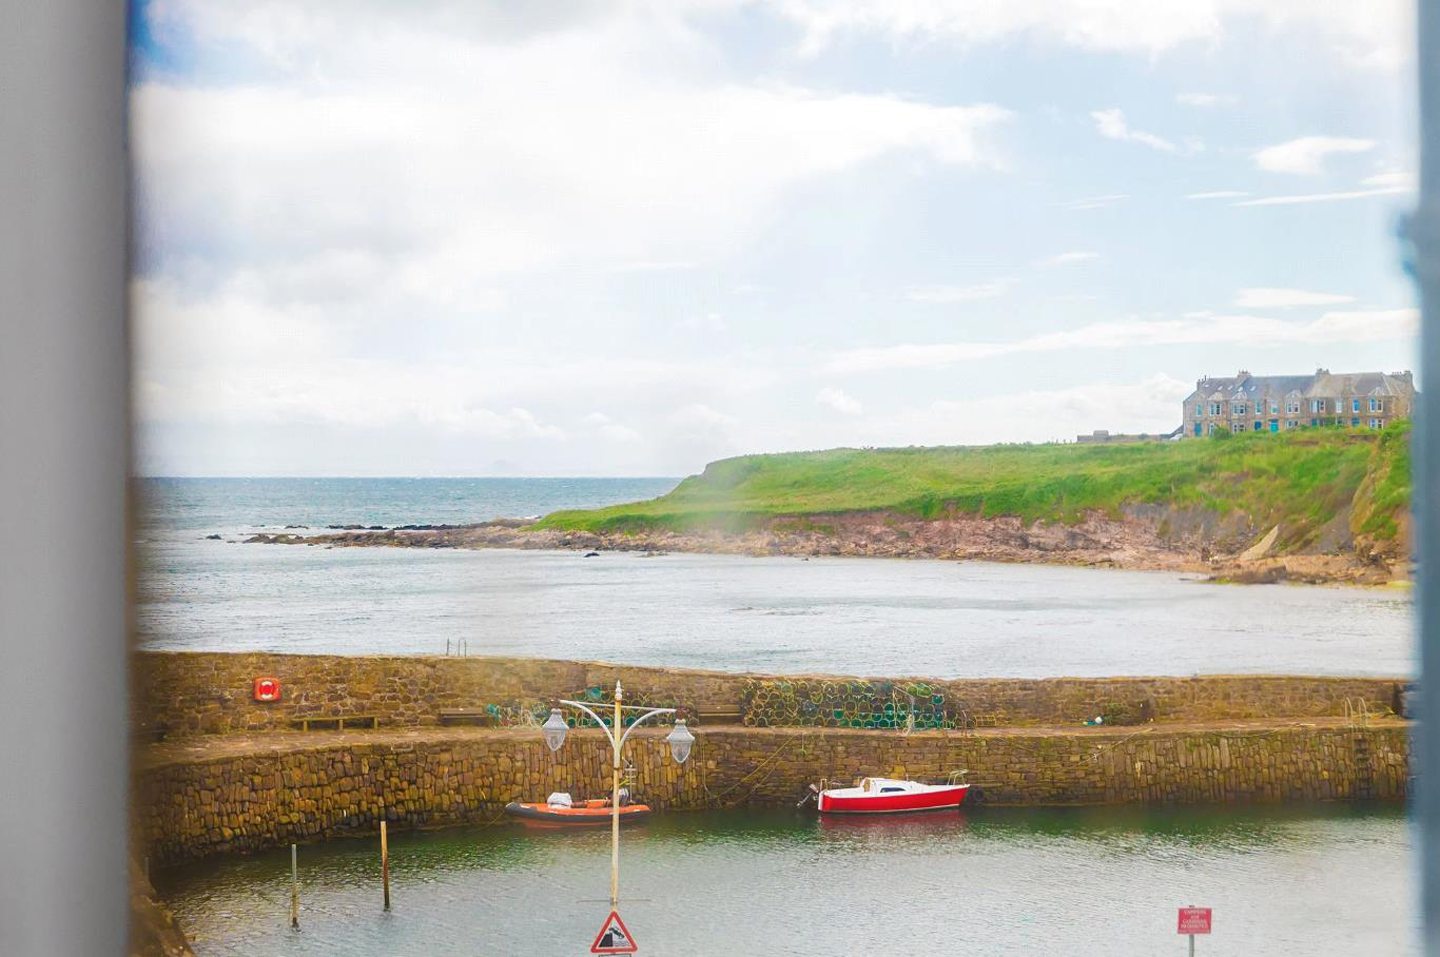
{"points": [[680, 740]]}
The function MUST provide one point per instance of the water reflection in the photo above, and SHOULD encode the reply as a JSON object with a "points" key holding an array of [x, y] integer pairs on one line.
{"points": [[995, 881]]}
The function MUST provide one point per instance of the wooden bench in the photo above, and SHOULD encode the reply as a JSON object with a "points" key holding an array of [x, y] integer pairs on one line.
{"points": [[718, 714], [480, 717], [317, 722]]}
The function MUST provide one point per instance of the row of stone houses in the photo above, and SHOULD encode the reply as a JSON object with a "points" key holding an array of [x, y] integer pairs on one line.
{"points": [[1279, 403]]}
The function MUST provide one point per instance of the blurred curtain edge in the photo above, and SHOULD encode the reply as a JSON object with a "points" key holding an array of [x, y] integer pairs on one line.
{"points": [[64, 447], [1423, 232]]}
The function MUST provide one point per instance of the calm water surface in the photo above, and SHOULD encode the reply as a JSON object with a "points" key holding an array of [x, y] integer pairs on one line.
{"points": [[856, 616], [993, 881]]}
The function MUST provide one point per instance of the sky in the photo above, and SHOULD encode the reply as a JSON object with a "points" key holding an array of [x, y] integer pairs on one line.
{"points": [[628, 238]]}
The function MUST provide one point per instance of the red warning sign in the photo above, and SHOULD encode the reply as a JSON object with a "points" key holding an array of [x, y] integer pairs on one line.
{"points": [[613, 938], [1194, 920]]}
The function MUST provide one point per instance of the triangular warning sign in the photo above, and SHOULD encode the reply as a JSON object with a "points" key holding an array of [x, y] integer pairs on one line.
{"points": [[614, 937]]}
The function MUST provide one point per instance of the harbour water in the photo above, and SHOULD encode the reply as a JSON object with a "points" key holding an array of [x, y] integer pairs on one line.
{"points": [[781, 614], [1329, 881]]}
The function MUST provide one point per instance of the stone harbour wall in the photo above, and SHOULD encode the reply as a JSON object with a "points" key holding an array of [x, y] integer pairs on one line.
{"points": [[185, 693], [195, 802], [192, 806], [179, 694]]}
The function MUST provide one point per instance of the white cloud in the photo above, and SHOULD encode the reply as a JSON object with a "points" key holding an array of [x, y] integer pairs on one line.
{"points": [[1218, 194], [1272, 298], [1097, 202], [703, 416], [1204, 100], [648, 265], [610, 430], [833, 398], [1374, 34], [1307, 155], [1151, 404], [522, 163], [699, 433], [951, 294], [227, 359], [711, 322], [1111, 125], [1392, 179], [1070, 258], [1342, 196], [1366, 326]]}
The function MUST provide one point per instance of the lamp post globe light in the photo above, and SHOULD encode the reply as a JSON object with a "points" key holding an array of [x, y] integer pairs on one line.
{"points": [[554, 729], [680, 739]]}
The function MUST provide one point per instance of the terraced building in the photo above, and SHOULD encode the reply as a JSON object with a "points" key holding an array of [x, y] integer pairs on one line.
{"points": [[1279, 403]]}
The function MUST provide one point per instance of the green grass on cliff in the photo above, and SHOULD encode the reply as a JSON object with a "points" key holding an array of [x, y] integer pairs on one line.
{"points": [[1300, 480]]}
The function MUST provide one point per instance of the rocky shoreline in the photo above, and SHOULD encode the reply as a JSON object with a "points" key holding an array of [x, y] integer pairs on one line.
{"points": [[1151, 539]]}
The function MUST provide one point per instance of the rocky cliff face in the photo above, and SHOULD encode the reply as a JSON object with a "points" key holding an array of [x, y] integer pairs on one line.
{"points": [[1142, 537]]}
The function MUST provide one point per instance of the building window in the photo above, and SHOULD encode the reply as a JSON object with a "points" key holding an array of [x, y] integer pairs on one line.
{"points": [[1274, 408], [1289, 423], [1376, 405], [1355, 421], [1317, 405], [1355, 406], [1237, 408], [1376, 423], [1292, 407], [1199, 408], [1214, 408], [1274, 425]]}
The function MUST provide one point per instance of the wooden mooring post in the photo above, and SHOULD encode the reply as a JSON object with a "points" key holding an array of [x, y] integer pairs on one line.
{"points": [[385, 864], [294, 888]]}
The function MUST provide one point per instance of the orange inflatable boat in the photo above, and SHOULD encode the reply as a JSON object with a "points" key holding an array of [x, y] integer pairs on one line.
{"points": [[560, 811]]}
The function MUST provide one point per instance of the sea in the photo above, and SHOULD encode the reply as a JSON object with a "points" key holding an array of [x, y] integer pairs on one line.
{"points": [[201, 587]]}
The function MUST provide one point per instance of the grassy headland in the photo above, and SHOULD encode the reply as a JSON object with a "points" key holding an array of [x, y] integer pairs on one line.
{"points": [[1305, 482], [1318, 505]]}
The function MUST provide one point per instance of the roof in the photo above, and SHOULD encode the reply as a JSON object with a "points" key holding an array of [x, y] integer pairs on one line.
{"points": [[1322, 384]]}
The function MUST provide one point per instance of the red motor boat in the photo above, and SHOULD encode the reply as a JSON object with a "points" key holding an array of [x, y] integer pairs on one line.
{"points": [[889, 796]]}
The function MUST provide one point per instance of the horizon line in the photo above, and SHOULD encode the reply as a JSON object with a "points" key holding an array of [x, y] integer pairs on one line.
{"points": [[406, 477]]}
